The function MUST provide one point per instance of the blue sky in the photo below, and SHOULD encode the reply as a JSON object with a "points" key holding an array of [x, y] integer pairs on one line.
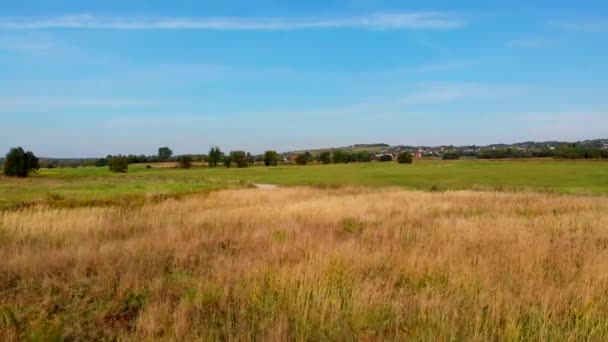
{"points": [[89, 78]]}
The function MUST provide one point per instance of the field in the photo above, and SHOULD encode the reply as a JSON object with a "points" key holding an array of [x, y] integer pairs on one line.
{"points": [[311, 264], [91, 186], [518, 252]]}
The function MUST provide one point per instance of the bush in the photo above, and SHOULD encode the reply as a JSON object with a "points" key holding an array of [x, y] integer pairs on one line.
{"points": [[119, 164], [19, 163], [301, 159], [227, 161], [341, 157], [185, 162], [386, 158], [101, 162], [363, 157], [325, 157], [271, 158], [404, 158], [450, 156], [240, 158]]}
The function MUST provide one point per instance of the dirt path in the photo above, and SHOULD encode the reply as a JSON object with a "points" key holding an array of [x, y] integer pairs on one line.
{"points": [[265, 186]]}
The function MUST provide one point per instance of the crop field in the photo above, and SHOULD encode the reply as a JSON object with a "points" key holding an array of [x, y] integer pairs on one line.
{"points": [[463, 250], [304, 263], [91, 185]]}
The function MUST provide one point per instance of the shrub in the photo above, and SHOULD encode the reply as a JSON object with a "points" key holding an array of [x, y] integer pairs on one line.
{"points": [[119, 164], [185, 162], [404, 158], [301, 159], [101, 162], [386, 158], [271, 158], [19, 163], [341, 157], [240, 158], [325, 157], [227, 161], [450, 156]]}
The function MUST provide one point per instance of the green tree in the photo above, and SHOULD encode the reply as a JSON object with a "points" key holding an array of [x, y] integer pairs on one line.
{"points": [[404, 158], [301, 159], [227, 160], [325, 157], [341, 157], [119, 164], [101, 162], [364, 157], [386, 157], [185, 162], [214, 157], [271, 158], [19, 163], [239, 158], [164, 153]]}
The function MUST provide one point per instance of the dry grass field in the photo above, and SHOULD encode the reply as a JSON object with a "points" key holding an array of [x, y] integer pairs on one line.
{"points": [[310, 264]]}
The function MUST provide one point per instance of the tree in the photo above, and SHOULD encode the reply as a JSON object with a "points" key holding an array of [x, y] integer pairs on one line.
{"points": [[185, 162], [325, 157], [364, 157], [227, 161], [341, 157], [240, 158], [404, 158], [101, 162], [301, 159], [271, 158], [119, 164], [19, 163], [386, 157], [164, 153], [215, 156]]}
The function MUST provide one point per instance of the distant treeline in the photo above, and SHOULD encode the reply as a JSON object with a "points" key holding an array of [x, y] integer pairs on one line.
{"points": [[563, 152]]}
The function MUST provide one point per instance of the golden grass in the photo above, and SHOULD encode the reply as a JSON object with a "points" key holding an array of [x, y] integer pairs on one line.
{"points": [[310, 264]]}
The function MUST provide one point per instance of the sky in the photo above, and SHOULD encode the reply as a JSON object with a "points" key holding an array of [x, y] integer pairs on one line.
{"points": [[91, 78]]}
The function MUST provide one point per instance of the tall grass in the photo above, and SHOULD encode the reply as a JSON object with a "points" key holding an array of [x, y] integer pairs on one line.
{"points": [[310, 264]]}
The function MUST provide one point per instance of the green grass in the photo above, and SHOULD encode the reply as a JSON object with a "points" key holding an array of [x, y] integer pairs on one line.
{"points": [[98, 184]]}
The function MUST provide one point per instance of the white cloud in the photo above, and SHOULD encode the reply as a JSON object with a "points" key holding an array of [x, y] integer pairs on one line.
{"points": [[527, 43], [583, 26], [157, 120], [412, 20], [446, 92], [37, 103]]}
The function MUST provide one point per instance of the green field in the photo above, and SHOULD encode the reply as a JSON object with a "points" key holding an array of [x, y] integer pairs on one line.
{"points": [[97, 185]]}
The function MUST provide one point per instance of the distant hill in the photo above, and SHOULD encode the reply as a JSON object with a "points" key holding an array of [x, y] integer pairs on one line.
{"points": [[532, 145]]}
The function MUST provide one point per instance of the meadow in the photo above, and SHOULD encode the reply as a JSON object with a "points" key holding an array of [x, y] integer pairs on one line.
{"points": [[462, 250], [97, 186], [306, 264]]}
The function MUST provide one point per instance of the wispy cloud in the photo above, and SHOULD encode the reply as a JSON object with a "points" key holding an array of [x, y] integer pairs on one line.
{"points": [[573, 125], [156, 120], [36, 103], [527, 43], [582, 26], [394, 21]]}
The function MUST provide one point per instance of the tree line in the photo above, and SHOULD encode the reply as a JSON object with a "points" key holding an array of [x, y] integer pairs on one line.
{"points": [[21, 163]]}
